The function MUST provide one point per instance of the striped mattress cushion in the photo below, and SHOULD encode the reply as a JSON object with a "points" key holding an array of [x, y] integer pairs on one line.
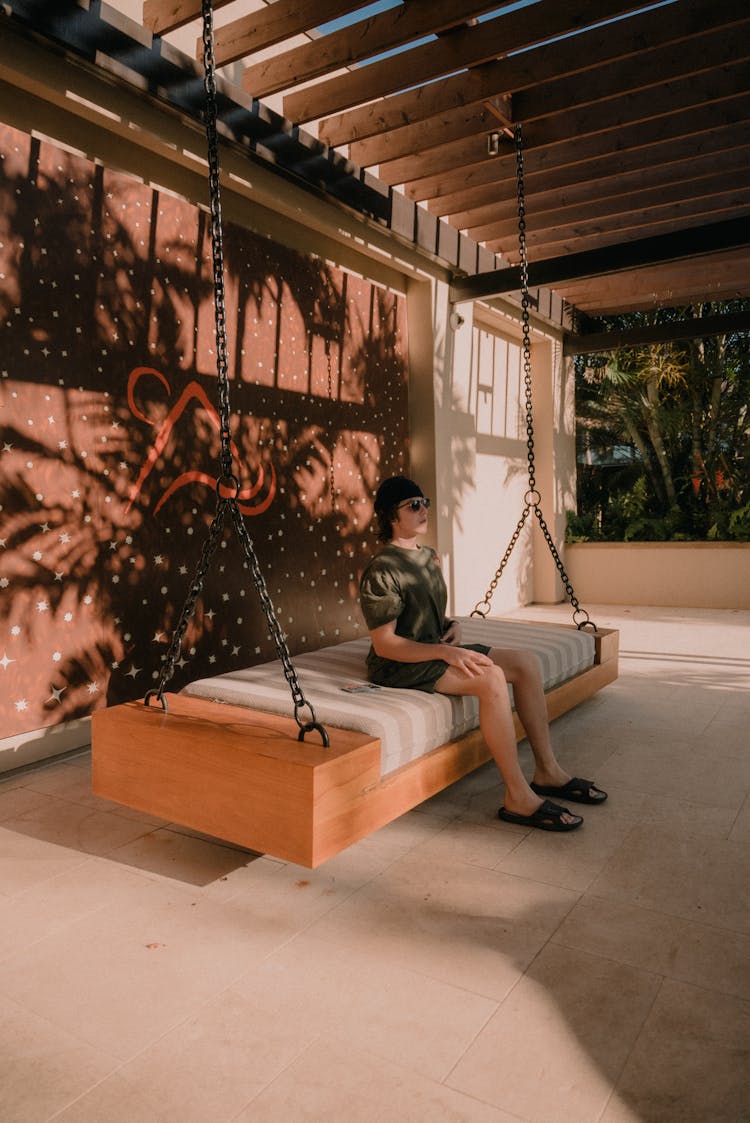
{"points": [[409, 723]]}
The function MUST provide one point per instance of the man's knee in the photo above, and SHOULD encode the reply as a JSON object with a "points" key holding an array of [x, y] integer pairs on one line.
{"points": [[492, 680], [525, 667]]}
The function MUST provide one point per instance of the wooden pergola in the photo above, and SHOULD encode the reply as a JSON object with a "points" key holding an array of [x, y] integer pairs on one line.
{"points": [[636, 121], [636, 127]]}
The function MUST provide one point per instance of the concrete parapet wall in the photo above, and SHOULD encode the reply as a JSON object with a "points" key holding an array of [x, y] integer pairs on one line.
{"points": [[678, 574]]}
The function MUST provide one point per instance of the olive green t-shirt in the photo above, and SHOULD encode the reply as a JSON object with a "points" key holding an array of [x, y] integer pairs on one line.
{"points": [[406, 586]]}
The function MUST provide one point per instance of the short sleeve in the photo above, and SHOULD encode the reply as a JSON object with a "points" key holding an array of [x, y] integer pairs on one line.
{"points": [[379, 596]]}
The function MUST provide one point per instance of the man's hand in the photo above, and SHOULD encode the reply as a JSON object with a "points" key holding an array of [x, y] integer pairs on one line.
{"points": [[452, 633], [469, 662]]}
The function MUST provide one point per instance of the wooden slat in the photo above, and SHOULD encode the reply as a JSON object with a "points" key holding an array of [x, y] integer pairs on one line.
{"points": [[566, 57], [581, 244], [649, 138], [468, 47], [412, 140], [162, 16], [612, 116], [279, 21], [588, 233], [649, 70], [722, 266], [563, 95], [670, 297], [360, 40], [651, 299], [668, 177], [645, 206], [635, 168], [715, 277]]}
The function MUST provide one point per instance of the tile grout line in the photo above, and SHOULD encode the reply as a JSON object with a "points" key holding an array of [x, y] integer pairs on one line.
{"points": [[636, 1039]]}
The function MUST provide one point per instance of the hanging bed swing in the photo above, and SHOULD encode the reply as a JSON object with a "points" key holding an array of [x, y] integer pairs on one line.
{"points": [[223, 757]]}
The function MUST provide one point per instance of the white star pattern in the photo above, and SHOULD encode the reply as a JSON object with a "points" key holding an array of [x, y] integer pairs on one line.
{"points": [[5, 662], [117, 468]]}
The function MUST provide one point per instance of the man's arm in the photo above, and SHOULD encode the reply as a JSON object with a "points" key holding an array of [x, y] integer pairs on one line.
{"points": [[388, 645]]}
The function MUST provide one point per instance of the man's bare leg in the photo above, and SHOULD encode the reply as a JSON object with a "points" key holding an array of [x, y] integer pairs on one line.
{"points": [[496, 722], [522, 671]]}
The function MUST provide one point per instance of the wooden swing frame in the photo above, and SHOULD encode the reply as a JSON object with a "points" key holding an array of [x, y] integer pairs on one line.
{"points": [[242, 776]]}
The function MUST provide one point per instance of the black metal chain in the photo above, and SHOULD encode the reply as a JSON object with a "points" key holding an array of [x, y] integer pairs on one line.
{"points": [[217, 236], [196, 588], [228, 503], [532, 499], [332, 469]]}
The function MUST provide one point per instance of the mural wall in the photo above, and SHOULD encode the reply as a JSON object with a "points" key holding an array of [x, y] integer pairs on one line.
{"points": [[110, 436]]}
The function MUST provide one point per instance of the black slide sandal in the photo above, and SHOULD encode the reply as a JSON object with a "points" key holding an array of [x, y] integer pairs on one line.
{"points": [[548, 817]]}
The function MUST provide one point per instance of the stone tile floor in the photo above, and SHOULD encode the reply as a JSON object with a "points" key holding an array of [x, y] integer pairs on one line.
{"points": [[450, 967]]}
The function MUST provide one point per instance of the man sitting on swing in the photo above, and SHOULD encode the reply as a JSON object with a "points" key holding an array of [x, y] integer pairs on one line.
{"points": [[403, 598]]}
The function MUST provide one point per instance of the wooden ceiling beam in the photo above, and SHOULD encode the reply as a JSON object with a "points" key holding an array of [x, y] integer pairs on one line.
{"points": [[163, 16], [468, 47], [687, 176], [632, 254], [360, 40], [590, 48], [649, 70], [634, 167], [689, 125], [666, 299], [613, 116], [645, 204], [722, 265], [268, 26], [564, 95], [583, 236], [649, 288], [457, 124], [696, 327]]}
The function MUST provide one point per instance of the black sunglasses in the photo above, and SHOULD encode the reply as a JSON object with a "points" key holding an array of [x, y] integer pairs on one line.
{"points": [[415, 504]]}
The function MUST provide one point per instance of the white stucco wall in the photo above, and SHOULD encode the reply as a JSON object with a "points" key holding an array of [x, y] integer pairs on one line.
{"points": [[469, 446]]}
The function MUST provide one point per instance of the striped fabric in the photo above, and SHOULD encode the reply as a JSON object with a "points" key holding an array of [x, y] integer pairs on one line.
{"points": [[409, 723]]}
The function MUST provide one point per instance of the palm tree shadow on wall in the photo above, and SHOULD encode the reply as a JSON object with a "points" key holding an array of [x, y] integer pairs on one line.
{"points": [[97, 574]]}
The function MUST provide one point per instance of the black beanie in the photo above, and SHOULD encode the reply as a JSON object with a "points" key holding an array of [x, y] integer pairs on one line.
{"points": [[395, 490]]}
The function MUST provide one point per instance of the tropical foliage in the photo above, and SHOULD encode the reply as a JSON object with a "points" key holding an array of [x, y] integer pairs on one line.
{"points": [[663, 436]]}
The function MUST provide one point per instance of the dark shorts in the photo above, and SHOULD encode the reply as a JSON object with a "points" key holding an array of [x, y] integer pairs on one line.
{"points": [[414, 676]]}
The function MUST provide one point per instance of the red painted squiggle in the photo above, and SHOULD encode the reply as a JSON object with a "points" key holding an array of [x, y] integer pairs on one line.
{"points": [[192, 391]]}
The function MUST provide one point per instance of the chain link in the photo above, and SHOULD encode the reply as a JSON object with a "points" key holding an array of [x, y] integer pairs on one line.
{"points": [[196, 588], [217, 237], [482, 607], [230, 505], [532, 498], [279, 639], [332, 469]]}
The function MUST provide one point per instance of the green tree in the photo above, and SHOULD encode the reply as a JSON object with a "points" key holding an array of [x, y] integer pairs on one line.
{"points": [[683, 411]]}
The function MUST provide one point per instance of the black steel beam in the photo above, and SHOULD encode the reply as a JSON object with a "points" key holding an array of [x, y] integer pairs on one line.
{"points": [[659, 250], [97, 32], [698, 327]]}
